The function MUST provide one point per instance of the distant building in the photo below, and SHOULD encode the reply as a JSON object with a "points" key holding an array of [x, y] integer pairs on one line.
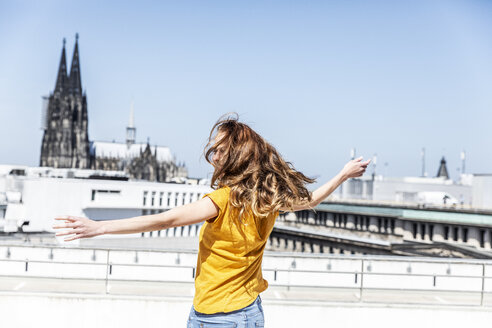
{"points": [[31, 197], [471, 191], [66, 142]]}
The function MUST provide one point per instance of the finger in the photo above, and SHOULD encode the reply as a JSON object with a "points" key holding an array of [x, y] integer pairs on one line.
{"points": [[67, 218], [358, 159], [64, 233], [68, 225], [72, 238]]}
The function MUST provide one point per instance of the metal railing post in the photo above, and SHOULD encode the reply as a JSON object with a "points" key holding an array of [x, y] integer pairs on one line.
{"points": [[361, 281], [288, 280], [107, 272], [483, 284]]}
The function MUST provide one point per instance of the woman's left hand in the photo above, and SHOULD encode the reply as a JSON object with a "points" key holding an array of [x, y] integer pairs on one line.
{"points": [[355, 168], [81, 227]]}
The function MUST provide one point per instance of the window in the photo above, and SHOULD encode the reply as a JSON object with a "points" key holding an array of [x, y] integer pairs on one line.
{"points": [[431, 231], [103, 192], [414, 230], [152, 199], [176, 199], [422, 229], [145, 198], [183, 198], [455, 237], [482, 238], [191, 197], [446, 233], [161, 195], [465, 235], [168, 199]]}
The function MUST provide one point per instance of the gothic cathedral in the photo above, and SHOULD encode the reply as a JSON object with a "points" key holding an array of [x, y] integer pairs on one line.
{"points": [[65, 140]]}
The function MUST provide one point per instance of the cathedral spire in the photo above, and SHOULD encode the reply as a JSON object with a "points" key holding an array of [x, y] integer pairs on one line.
{"points": [[443, 171], [61, 79], [131, 130], [75, 80]]}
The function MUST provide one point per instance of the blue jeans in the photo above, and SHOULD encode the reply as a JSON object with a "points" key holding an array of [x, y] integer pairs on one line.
{"points": [[250, 316]]}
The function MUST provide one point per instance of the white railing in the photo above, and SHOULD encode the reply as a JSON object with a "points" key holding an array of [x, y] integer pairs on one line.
{"points": [[317, 273]]}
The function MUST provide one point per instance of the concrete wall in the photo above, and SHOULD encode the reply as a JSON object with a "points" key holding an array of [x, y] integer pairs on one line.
{"points": [[482, 191], [82, 311]]}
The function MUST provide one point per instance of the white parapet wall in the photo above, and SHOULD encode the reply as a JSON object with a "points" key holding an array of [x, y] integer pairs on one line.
{"points": [[26, 310], [52, 286]]}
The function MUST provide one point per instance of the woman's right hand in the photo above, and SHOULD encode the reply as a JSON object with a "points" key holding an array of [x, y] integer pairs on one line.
{"points": [[355, 168], [80, 227]]}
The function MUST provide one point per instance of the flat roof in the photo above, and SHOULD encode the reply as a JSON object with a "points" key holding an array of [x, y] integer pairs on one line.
{"points": [[408, 213]]}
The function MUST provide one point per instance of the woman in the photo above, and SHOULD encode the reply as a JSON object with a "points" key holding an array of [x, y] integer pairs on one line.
{"points": [[252, 185]]}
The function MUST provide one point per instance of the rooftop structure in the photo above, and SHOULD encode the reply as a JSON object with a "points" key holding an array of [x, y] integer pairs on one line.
{"points": [[30, 198], [473, 191]]}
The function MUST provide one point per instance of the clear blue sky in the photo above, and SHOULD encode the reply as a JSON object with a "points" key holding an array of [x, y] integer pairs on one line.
{"points": [[315, 78]]}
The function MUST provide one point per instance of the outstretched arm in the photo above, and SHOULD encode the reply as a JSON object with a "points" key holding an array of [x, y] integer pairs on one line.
{"points": [[192, 213], [354, 168]]}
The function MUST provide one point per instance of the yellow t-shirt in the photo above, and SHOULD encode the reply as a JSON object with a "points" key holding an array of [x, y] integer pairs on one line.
{"points": [[228, 272]]}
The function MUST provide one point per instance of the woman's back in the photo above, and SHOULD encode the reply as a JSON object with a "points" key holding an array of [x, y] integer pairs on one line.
{"points": [[228, 275]]}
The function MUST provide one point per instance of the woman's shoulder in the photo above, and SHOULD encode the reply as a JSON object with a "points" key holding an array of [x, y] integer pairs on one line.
{"points": [[219, 196], [219, 190], [225, 190]]}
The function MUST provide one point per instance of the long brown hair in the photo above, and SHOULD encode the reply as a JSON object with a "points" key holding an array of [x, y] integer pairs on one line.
{"points": [[261, 181]]}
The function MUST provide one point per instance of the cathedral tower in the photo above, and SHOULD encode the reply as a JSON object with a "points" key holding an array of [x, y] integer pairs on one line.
{"points": [[66, 140]]}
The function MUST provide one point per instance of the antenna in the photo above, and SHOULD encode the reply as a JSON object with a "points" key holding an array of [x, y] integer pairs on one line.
{"points": [[131, 130], [131, 120], [374, 162], [352, 153], [463, 159], [423, 161]]}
